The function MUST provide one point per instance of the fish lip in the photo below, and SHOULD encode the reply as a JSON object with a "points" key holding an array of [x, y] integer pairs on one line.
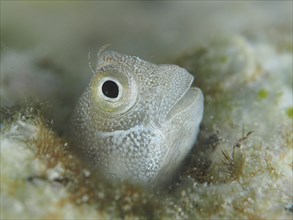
{"points": [[182, 104]]}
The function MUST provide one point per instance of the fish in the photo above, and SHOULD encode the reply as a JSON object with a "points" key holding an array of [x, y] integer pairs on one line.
{"points": [[136, 121]]}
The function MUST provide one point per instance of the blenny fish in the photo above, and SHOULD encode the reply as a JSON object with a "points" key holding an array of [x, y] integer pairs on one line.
{"points": [[136, 121]]}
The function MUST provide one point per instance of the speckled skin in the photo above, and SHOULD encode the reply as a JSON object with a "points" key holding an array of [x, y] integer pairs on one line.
{"points": [[144, 139]]}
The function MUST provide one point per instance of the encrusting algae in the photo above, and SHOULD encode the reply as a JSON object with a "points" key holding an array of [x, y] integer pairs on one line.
{"points": [[55, 170]]}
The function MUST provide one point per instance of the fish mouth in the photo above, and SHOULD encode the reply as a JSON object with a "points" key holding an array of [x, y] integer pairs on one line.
{"points": [[193, 96]]}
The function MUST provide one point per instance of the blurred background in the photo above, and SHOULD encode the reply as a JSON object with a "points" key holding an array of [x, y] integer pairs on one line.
{"points": [[45, 44]]}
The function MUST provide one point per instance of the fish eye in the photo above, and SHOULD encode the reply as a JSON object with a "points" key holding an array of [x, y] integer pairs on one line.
{"points": [[113, 92], [110, 89]]}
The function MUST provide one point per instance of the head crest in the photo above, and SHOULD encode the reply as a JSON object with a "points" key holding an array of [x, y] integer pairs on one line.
{"points": [[100, 52]]}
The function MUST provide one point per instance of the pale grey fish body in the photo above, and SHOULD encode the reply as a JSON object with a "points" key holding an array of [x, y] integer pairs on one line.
{"points": [[137, 121]]}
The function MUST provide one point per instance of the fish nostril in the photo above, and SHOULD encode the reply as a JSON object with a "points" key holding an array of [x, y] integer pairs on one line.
{"points": [[110, 89]]}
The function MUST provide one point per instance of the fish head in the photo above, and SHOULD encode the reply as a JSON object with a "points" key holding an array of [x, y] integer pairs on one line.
{"points": [[127, 91], [136, 121]]}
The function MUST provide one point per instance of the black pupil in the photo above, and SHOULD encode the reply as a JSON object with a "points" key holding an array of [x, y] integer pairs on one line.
{"points": [[110, 89]]}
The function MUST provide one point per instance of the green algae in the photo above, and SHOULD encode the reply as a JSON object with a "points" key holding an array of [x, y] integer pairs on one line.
{"points": [[290, 112], [263, 94]]}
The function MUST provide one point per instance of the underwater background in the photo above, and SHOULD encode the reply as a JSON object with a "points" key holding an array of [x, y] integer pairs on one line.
{"points": [[240, 53]]}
